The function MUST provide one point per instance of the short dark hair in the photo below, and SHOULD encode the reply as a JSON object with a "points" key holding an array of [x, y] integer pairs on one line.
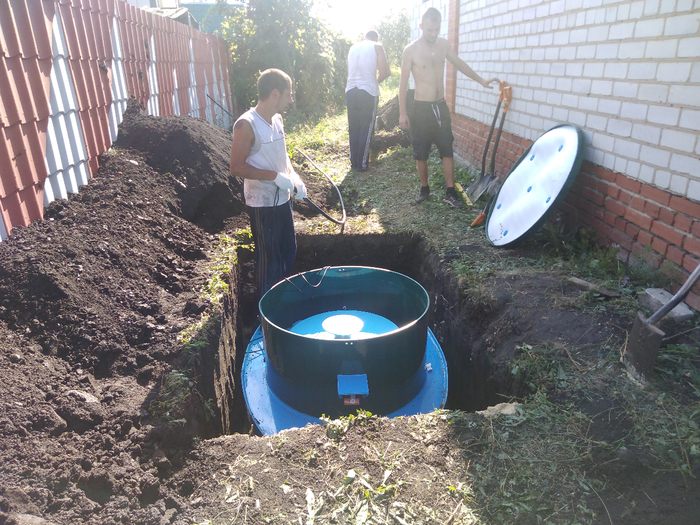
{"points": [[372, 35], [431, 14], [273, 79]]}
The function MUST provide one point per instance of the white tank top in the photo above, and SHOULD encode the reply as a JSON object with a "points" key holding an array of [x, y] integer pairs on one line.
{"points": [[362, 68], [269, 152]]}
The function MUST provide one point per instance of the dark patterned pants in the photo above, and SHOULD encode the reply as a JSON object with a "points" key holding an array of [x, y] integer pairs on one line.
{"points": [[362, 114], [275, 244]]}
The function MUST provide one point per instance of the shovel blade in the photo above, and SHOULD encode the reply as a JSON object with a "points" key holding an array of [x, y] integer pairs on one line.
{"points": [[494, 186], [477, 188], [642, 348]]}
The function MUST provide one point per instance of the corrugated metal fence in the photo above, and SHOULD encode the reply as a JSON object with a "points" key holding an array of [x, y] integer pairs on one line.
{"points": [[67, 69]]}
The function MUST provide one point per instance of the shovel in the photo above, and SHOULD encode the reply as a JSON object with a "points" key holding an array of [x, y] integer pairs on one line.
{"points": [[480, 185], [491, 189], [645, 338]]}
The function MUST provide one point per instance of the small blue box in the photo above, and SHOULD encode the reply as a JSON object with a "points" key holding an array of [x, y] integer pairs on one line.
{"points": [[352, 385]]}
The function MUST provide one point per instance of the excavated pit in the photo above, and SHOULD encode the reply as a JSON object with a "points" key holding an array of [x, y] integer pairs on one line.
{"points": [[472, 383], [212, 201]]}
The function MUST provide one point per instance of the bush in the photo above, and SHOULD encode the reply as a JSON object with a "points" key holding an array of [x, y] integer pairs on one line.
{"points": [[283, 34]]}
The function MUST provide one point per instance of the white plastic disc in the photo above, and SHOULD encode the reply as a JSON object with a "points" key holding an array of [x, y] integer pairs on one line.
{"points": [[343, 325], [536, 185]]}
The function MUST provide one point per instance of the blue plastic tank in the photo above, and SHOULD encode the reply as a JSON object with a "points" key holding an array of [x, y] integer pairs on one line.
{"points": [[341, 338]]}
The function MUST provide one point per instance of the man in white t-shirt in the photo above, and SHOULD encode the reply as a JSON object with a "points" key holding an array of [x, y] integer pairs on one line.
{"points": [[367, 67], [259, 156]]}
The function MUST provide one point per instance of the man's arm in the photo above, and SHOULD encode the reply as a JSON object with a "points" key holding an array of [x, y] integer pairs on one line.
{"points": [[462, 66], [406, 62], [383, 70], [243, 139]]}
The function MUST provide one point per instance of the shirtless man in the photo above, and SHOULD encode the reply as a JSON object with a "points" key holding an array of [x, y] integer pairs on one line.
{"points": [[430, 120]]}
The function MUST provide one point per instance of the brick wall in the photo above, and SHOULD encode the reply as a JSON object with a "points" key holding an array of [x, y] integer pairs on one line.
{"points": [[635, 216], [628, 74], [625, 212]]}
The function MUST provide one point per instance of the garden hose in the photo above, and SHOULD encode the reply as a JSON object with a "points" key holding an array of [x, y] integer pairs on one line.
{"points": [[340, 197]]}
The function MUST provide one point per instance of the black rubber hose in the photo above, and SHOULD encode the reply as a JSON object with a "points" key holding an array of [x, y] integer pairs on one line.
{"points": [[340, 197]]}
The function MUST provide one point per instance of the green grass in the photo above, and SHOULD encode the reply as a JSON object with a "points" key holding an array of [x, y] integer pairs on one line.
{"points": [[539, 464], [382, 202]]}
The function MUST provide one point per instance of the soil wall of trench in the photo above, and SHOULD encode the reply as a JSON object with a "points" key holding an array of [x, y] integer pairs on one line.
{"points": [[474, 383]]}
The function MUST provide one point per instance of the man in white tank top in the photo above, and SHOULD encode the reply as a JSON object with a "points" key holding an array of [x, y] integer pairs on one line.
{"points": [[367, 67], [259, 156]]}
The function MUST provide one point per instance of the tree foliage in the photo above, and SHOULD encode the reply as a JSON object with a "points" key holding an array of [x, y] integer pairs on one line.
{"points": [[283, 34], [395, 34]]}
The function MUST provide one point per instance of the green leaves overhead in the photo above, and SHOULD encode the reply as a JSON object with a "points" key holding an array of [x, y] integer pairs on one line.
{"points": [[395, 34], [283, 34]]}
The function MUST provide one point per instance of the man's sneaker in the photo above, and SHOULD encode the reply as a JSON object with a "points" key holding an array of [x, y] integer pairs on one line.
{"points": [[424, 192], [453, 200]]}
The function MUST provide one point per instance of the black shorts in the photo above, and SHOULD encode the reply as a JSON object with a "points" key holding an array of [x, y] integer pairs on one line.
{"points": [[431, 124]]}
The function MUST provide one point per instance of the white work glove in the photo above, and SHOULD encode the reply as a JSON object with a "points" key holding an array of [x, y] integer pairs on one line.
{"points": [[283, 181], [299, 187]]}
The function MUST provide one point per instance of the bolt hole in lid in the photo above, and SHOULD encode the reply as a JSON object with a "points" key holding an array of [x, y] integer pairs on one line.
{"points": [[534, 189]]}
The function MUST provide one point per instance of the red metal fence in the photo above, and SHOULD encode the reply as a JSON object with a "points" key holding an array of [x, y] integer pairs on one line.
{"points": [[67, 68]]}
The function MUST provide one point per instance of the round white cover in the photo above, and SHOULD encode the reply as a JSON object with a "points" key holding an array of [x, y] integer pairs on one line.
{"points": [[533, 186], [344, 324]]}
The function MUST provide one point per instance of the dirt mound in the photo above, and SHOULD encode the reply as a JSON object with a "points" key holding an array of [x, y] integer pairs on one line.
{"points": [[196, 153], [92, 300], [99, 279], [388, 114], [388, 134]]}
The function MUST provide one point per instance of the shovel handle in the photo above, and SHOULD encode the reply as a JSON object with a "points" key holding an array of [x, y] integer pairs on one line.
{"points": [[507, 96], [501, 90], [493, 126], [680, 295], [480, 219]]}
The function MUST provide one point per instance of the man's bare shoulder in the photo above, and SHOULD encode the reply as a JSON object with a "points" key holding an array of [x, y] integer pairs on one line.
{"points": [[243, 131], [242, 124], [443, 44], [410, 48]]}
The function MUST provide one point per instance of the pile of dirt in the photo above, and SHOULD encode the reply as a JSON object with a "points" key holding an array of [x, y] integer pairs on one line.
{"points": [[388, 134], [388, 114], [92, 300], [196, 154]]}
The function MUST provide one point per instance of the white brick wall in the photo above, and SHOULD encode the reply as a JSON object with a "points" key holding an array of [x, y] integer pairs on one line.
{"points": [[626, 71]]}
